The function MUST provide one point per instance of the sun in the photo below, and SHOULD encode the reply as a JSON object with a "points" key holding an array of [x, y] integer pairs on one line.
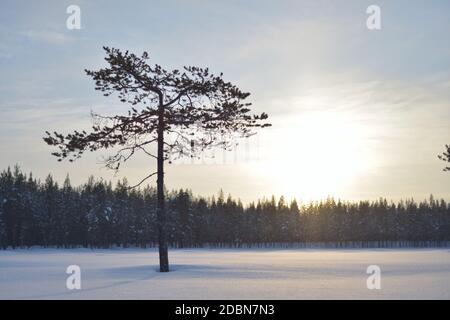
{"points": [[316, 154]]}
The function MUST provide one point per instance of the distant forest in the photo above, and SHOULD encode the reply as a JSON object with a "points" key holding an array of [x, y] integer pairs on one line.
{"points": [[96, 214]]}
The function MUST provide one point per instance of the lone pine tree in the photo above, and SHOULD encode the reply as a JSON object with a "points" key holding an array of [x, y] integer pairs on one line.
{"points": [[195, 109]]}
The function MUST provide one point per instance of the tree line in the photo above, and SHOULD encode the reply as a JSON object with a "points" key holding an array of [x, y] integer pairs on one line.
{"points": [[100, 215]]}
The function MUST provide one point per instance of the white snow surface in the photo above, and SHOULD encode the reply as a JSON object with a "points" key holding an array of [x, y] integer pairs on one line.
{"points": [[226, 274]]}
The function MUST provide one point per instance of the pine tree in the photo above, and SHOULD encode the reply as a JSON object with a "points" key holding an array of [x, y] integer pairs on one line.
{"points": [[182, 112]]}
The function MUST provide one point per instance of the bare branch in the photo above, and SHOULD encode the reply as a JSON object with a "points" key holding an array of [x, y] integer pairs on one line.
{"points": [[146, 178]]}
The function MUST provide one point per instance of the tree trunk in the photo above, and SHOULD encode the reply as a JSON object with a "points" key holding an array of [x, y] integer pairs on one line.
{"points": [[160, 209]]}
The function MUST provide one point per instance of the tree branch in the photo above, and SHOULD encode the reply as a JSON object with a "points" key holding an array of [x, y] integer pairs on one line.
{"points": [[147, 177]]}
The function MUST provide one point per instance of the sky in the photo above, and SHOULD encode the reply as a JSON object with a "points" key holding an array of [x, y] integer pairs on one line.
{"points": [[356, 113]]}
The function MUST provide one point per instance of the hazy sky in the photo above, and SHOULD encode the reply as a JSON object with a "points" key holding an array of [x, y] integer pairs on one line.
{"points": [[356, 113]]}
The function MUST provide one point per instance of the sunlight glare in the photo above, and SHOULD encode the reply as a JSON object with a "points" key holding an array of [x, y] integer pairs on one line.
{"points": [[316, 154]]}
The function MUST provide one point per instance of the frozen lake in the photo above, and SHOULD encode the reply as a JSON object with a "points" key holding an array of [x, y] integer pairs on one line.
{"points": [[226, 274]]}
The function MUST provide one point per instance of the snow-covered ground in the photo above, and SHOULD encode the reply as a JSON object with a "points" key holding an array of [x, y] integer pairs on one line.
{"points": [[226, 274]]}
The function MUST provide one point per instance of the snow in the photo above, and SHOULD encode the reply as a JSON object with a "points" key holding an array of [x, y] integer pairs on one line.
{"points": [[226, 274]]}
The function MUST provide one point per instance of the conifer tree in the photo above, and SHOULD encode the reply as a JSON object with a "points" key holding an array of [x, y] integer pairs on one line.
{"points": [[183, 111]]}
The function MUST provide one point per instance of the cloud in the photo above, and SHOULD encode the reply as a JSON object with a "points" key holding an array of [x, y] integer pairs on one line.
{"points": [[51, 37]]}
